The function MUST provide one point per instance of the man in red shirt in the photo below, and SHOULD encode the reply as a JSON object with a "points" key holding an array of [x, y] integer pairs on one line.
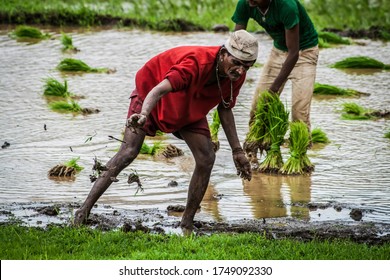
{"points": [[174, 92]]}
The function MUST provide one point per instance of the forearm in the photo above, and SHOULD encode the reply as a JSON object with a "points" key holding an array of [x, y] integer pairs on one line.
{"points": [[154, 96], [228, 124]]}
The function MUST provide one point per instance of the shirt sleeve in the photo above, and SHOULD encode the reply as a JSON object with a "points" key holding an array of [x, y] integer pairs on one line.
{"points": [[290, 14], [242, 13]]}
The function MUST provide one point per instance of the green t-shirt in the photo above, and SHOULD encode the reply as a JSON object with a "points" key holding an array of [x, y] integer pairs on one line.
{"points": [[281, 15]]}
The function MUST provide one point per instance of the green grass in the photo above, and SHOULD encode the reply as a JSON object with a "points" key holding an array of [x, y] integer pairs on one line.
{"points": [[56, 243], [179, 15]]}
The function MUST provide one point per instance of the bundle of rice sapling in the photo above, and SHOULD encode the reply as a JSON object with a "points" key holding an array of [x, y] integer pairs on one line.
{"points": [[276, 127], [360, 62], [298, 162], [257, 137]]}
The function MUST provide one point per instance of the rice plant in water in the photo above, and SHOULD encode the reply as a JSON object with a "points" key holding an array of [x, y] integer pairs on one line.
{"points": [[353, 111], [73, 163], [276, 126], [150, 149], [24, 31], [257, 136], [360, 62], [319, 136], [67, 43], [76, 65], [299, 140], [387, 134], [66, 107], [55, 88], [325, 89], [214, 129], [333, 38]]}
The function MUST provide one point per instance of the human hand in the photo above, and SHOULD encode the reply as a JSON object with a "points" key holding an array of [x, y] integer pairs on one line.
{"points": [[136, 120], [242, 164]]}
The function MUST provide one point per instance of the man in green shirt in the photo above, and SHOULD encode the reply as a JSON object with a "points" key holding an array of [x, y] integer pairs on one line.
{"points": [[294, 54]]}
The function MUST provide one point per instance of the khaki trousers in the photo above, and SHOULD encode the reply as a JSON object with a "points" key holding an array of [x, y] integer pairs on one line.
{"points": [[302, 77]]}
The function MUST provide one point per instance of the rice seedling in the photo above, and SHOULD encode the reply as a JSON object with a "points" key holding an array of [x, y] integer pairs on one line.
{"points": [[214, 129], [67, 43], [276, 126], [360, 62], [319, 136], [73, 163], [257, 138], [76, 65], [387, 134], [65, 106], [333, 38], [24, 31], [150, 149], [299, 140], [353, 111], [55, 88], [325, 89]]}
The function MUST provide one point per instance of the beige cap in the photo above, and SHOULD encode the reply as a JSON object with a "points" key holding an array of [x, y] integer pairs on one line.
{"points": [[242, 45]]}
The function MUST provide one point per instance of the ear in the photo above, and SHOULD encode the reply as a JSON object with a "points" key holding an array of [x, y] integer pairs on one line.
{"points": [[223, 53]]}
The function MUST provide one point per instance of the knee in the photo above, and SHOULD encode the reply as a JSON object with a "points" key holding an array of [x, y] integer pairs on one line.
{"points": [[126, 155], [206, 160]]}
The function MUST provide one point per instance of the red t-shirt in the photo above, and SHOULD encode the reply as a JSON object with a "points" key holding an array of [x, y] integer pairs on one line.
{"points": [[188, 69]]}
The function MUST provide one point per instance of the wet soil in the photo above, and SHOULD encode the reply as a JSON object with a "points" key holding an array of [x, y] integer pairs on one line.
{"points": [[156, 221]]}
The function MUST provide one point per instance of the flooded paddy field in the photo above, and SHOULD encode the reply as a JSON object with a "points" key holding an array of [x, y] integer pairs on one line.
{"points": [[352, 173]]}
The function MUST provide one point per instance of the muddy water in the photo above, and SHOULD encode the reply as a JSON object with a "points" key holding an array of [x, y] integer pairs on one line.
{"points": [[353, 171]]}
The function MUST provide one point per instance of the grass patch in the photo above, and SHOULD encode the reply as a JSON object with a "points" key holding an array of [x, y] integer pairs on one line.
{"points": [[190, 15], [55, 243]]}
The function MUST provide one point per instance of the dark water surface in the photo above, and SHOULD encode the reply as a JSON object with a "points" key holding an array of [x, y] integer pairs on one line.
{"points": [[353, 171]]}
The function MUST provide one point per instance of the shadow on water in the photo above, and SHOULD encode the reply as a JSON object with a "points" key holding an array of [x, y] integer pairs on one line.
{"points": [[352, 172]]}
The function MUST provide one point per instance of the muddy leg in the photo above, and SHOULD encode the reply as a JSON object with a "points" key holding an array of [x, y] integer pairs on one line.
{"points": [[202, 150], [126, 154]]}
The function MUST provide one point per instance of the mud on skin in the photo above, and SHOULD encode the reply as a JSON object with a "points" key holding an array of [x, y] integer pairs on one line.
{"points": [[107, 218]]}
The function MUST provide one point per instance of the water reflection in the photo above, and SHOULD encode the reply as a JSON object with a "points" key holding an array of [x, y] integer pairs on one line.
{"points": [[264, 191], [300, 195]]}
